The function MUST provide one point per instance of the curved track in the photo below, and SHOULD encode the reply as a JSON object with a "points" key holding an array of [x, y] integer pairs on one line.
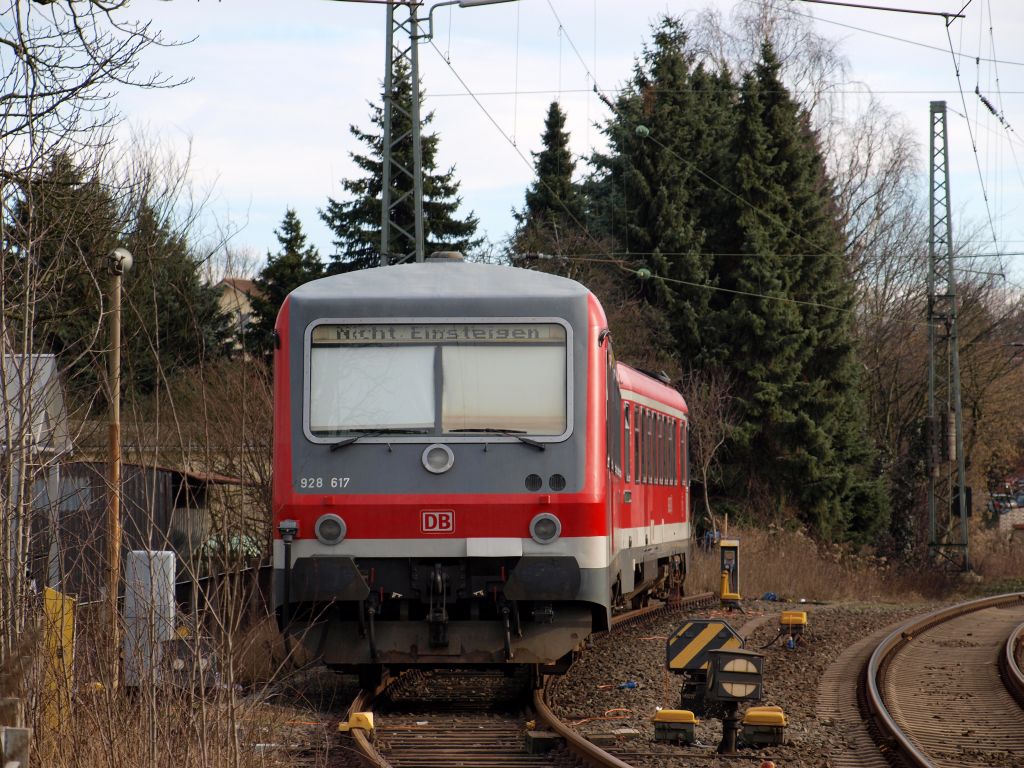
{"points": [[942, 687], [477, 718]]}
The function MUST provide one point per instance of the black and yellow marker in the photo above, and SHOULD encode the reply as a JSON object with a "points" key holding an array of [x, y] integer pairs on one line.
{"points": [[688, 646]]}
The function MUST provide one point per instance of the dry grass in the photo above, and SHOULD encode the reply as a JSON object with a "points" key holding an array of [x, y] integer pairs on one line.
{"points": [[794, 566], [262, 714], [215, 725], [998, 558]]}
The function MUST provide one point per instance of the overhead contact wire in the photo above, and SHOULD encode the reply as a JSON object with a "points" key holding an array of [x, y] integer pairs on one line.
{"points": [[631, 270]]}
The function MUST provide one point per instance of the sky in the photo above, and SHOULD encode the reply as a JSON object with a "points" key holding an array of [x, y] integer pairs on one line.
{"points": [[273, 87]]}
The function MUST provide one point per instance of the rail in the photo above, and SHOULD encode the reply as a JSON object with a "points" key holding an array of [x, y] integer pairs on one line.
{"points": [[885, 650], [590, 753], [1009, 669]]}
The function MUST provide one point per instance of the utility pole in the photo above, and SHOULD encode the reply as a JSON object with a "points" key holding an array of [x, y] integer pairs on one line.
{"points": [[398, 243], [947, 494], [401, 64]]}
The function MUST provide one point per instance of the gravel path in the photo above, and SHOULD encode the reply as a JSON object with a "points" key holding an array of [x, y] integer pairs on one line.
{"points": [[589, 695]]}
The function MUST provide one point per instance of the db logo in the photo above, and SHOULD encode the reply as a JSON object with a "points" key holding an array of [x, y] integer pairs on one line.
{"points": [[437, 521]]}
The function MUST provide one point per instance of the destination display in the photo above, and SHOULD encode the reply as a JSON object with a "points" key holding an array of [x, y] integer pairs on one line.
{"points": [[433, 333]]}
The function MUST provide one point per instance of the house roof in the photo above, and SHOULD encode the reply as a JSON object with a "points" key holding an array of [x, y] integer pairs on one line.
{"points": [[241, 284]]}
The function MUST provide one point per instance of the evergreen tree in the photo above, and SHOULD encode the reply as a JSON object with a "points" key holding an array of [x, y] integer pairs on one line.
{"points": [[554, 203], [784, 325], [294, 264], [63, 225], [172, 319], [668, 130], [355, 221]]}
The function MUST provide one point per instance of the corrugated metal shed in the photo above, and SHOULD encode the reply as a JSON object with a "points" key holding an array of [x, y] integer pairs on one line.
{"points": [[161, 508]]}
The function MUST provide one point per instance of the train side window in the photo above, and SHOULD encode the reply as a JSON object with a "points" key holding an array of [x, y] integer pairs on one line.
{"points": [[649, 447], [684, 453], [673, 467], [646, 454], [655, 448], [627, 434], [642, 423], [612, 410], [674, 443], [668, 450], [659, 426], [667, 444], [661, 450], [638, 430], [637, 416]]}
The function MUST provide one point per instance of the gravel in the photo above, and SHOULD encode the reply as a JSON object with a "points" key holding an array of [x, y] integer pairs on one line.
{"points": [[589, 695]]}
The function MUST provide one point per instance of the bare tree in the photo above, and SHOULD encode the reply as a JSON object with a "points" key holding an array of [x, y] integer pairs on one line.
{"points": [[60, 64], [713, 416]]}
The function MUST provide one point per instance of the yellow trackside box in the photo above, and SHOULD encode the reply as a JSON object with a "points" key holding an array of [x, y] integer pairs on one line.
{"points": [[764, 726], [793, 622], [677, 725]]}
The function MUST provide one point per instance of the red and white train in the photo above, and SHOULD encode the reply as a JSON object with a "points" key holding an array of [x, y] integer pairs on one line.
{"points": [[463, 475]]}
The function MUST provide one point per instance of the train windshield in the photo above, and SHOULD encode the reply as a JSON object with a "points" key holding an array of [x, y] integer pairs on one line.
{"points": [[438, 378]]}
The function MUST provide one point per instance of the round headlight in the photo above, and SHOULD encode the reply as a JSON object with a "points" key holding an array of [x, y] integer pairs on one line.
{"points": [[330, 529], [545, 528], [438, 458]]}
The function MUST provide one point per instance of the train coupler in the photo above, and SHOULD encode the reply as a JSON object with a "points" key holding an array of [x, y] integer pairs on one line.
{"points": [[437, 616], [371, 614], [506, 619]]}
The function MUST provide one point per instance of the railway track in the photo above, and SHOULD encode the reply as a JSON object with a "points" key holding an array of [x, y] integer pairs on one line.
{"points": [[460, 718], [945, 689]]}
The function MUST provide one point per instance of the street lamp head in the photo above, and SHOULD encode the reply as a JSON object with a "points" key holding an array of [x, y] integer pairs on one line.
{"points": [[119, 261], [472, 3]]}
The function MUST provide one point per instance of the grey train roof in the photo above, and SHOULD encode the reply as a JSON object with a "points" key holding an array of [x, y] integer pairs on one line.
{"points": [[440, 280]]}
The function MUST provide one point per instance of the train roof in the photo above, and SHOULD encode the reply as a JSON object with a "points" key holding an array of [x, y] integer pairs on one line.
{"points": [[632, 380], [441, 280]]}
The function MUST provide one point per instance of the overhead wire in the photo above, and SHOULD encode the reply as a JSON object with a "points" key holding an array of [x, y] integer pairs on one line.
{"points": [[889, 8], [693, 166], [1012, 136], [948, 19], [606, 256], [797, 91], [974, 143], [621, 263], [893, 37]]}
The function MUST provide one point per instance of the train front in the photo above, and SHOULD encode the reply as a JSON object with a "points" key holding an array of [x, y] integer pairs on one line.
{"points": [[436, 499]]}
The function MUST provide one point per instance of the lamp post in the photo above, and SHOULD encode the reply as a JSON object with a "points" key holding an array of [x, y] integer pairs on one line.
{"points": [[119, 261]]}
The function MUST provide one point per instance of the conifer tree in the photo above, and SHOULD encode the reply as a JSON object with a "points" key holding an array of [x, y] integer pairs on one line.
{"points": [[554, 203], [294, 264], [62, 227], [668, 127], [787, 321], [355, 221]]}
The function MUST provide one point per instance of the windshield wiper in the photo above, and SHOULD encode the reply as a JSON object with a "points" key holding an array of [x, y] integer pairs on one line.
{"points": [[519, 434], [374, 433]]}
